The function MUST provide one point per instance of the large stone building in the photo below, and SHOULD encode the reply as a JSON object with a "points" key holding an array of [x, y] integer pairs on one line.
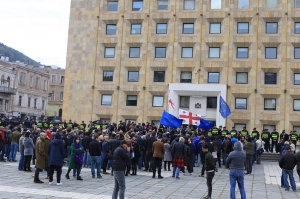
{"points": [[127, 59]]}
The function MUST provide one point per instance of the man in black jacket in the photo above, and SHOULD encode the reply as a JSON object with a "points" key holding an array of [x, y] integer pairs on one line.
{"points": [[95, 155], [287, 163], [121, 158], [86, 143], [149, 151], [113, 144], [210, 169]]}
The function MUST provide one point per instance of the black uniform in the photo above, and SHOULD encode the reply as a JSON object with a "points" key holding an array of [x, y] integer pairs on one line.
{"points": [[265, 136], [274, 137], [294, 138]]}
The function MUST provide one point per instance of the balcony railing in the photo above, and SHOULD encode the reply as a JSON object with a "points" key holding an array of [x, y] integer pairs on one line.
{"points": [[8, 90]]}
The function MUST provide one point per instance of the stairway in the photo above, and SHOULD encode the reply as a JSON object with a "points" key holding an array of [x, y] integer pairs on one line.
{"points": [[272, 157]]}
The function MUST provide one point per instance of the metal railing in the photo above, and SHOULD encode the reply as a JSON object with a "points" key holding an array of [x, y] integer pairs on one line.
{"points": [[5, 89]]}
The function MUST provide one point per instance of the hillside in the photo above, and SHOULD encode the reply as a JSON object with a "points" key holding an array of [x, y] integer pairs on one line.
{"points": [[15, 55]]}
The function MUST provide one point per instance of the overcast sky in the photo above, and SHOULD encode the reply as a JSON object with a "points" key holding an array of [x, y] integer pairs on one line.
{"points": [[37, 28]]}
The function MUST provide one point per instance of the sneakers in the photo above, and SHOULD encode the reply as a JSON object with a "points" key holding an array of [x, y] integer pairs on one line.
{"points": [[207, 197], [160, 177], [59, 184], [99, 176], [50, 183]]}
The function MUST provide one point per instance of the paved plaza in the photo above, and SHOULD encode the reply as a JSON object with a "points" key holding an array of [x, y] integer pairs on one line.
{"points": [[263, 183]]}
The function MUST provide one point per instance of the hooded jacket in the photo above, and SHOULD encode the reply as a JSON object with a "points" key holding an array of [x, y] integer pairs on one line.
{"points": [[56, 153], [236, 158]]}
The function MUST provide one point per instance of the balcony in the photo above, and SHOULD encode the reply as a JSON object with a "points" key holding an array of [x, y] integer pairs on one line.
{"points": [[8, 90]]}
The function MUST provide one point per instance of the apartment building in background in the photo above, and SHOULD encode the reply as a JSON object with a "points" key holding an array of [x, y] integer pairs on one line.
{"points": [[127, 59]]}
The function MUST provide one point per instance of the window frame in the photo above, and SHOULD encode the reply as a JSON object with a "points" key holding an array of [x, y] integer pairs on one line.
{"points": [[215, 23], [106, 48], [22, 77], [112, 2], [29, 102], [166, 24], [61, 96], [180, 102], [138, 76], [240, 23], [242, 7], [165, 55], [214, 2], [271, 7], [37, 82], [266, 73], [270, 24], [127, 104], [294, 105], [213, 106], [185, 7], [107, 71], [164, 73], [237, 52], [159, 96], [107, 25], [137, 1], [297, 2], [208, 81], [265, 104], [270, 48], [162, 1], [186, 80], [239, 98], [183, 28], [236, 81], [20, 100], [296, 48], [209, 52], [295, 29], [298, 74], [139, 54], [136, 24], [108, 95], [182, 49]]}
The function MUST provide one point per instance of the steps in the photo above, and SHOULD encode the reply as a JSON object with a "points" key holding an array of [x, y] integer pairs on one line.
{"points": [[272, 157]]}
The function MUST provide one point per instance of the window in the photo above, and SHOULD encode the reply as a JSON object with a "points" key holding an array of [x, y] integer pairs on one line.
{"points": [[242, 27], [271, 53], [62, 79], [270, 104], [269, 127], [111, 29], [134, 52], [35, 103], [2, 80], [297, 79], [161, 28], [160, 52], [52, 96], [162, 4], [137, 5], [8, 81], [297, 53], [297, 3], [22, 78], [158, 101], [271, 3], [45, 85], [20, 100], [239, 127], [297, 27], [136, 29], [270, 78], [186, 77], [159, 76], [211, 102], [106, 100], [112, 6], [188, 28], [296, 104], [37, 82], [108, 75], [216, 4], [43, 104], [61, 96], [240, 103], [243, 4], [241, 78], [271, 27], [53, 79], [213, 78], [109, 52], [6, 105], [187, 52], [184, 101], [242, 52], [214, 52], [215, 28], [189, 4], [133, 76], [29, 99], [131, 100]]}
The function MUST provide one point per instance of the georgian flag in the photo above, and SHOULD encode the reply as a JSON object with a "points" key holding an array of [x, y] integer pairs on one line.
{"points": [[189, 117]]}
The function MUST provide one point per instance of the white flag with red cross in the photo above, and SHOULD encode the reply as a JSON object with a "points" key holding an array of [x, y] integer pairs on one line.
{"points": [[189, 117]]}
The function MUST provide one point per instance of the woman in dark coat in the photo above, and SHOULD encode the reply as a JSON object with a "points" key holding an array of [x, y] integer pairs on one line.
{"points": [[28, 151], [137, 154], [76, 157], [56, 158]]}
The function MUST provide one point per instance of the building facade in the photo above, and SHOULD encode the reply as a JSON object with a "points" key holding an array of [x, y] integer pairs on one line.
{"points": [[127, 59], [56, 90]]}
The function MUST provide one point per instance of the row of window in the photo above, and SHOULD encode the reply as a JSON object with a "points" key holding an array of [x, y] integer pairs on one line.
{"points": [[186, 77], [137, 5], [53, 79], [6, 105], [187, 52], [131, 100], [188, 28], [29, 102], [22, 80], [61, 96]]}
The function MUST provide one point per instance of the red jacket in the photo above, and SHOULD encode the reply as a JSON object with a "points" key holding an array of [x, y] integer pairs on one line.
{"points": [[2, 138]]}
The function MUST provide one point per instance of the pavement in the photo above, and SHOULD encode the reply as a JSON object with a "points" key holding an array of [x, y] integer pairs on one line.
{"points": [[263, 183]]}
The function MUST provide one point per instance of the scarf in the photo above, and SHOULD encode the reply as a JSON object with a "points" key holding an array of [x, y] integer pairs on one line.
{"points": [[78, 155]]}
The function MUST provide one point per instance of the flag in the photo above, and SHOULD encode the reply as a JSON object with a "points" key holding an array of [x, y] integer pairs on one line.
{"points": [[204, 124], [171, 104], [169, 120], [189, 117], [224, 108]]}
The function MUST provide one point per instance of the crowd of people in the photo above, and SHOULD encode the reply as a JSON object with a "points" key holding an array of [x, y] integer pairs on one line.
{"points": [[127, 148]]}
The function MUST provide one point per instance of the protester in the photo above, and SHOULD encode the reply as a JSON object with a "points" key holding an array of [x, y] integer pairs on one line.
{"points": [[96, 159], [178, 153], [287, 163], [158, 152], [210, 168], [248, 148], [40, 163], [28, 151]]}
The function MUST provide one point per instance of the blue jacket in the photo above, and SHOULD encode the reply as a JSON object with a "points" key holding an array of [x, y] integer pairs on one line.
{"points": [[56, 153], [105, 150]]}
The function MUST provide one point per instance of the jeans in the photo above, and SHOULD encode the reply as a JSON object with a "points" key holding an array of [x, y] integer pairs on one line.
{"points": [[157, 162], [21, 161], [13, 151], [248, 162], [198, 160], [86, 158], [237, 176], [68, 154], [209, 178], [176, 171], [224, 157], [203, 166], [120, 187], [2, 150], [95, 161], [140, 160], [285, 175], [7, 150], [258, 158], [148, 160]]}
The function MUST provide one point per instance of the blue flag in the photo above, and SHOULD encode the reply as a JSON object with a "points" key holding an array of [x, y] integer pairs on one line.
{"points": [[224, 108], [169, 120], [204, 124]]}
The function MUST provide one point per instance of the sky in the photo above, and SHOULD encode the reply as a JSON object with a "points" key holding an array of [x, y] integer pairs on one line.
{"points": [[37, 28]]}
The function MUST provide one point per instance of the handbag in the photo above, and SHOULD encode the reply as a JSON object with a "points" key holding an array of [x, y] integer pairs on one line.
{"points": [[260, 151], [78, 159]]}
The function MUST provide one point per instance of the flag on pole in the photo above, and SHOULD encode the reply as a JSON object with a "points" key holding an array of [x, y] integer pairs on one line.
{"points": [[204, 124], [224, 108], [169, 120], [171, 103], [189, 117]]}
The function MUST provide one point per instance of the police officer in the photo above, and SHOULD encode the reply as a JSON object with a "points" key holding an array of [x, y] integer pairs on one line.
{"points": [[255, 133], [224, 133], [40, 124], [265, 136], [274, 138], [193, 132], [244, 132], [215, 131], [70, 124], [82, 125], [233, 132], [209, 133], [294, 137]]}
